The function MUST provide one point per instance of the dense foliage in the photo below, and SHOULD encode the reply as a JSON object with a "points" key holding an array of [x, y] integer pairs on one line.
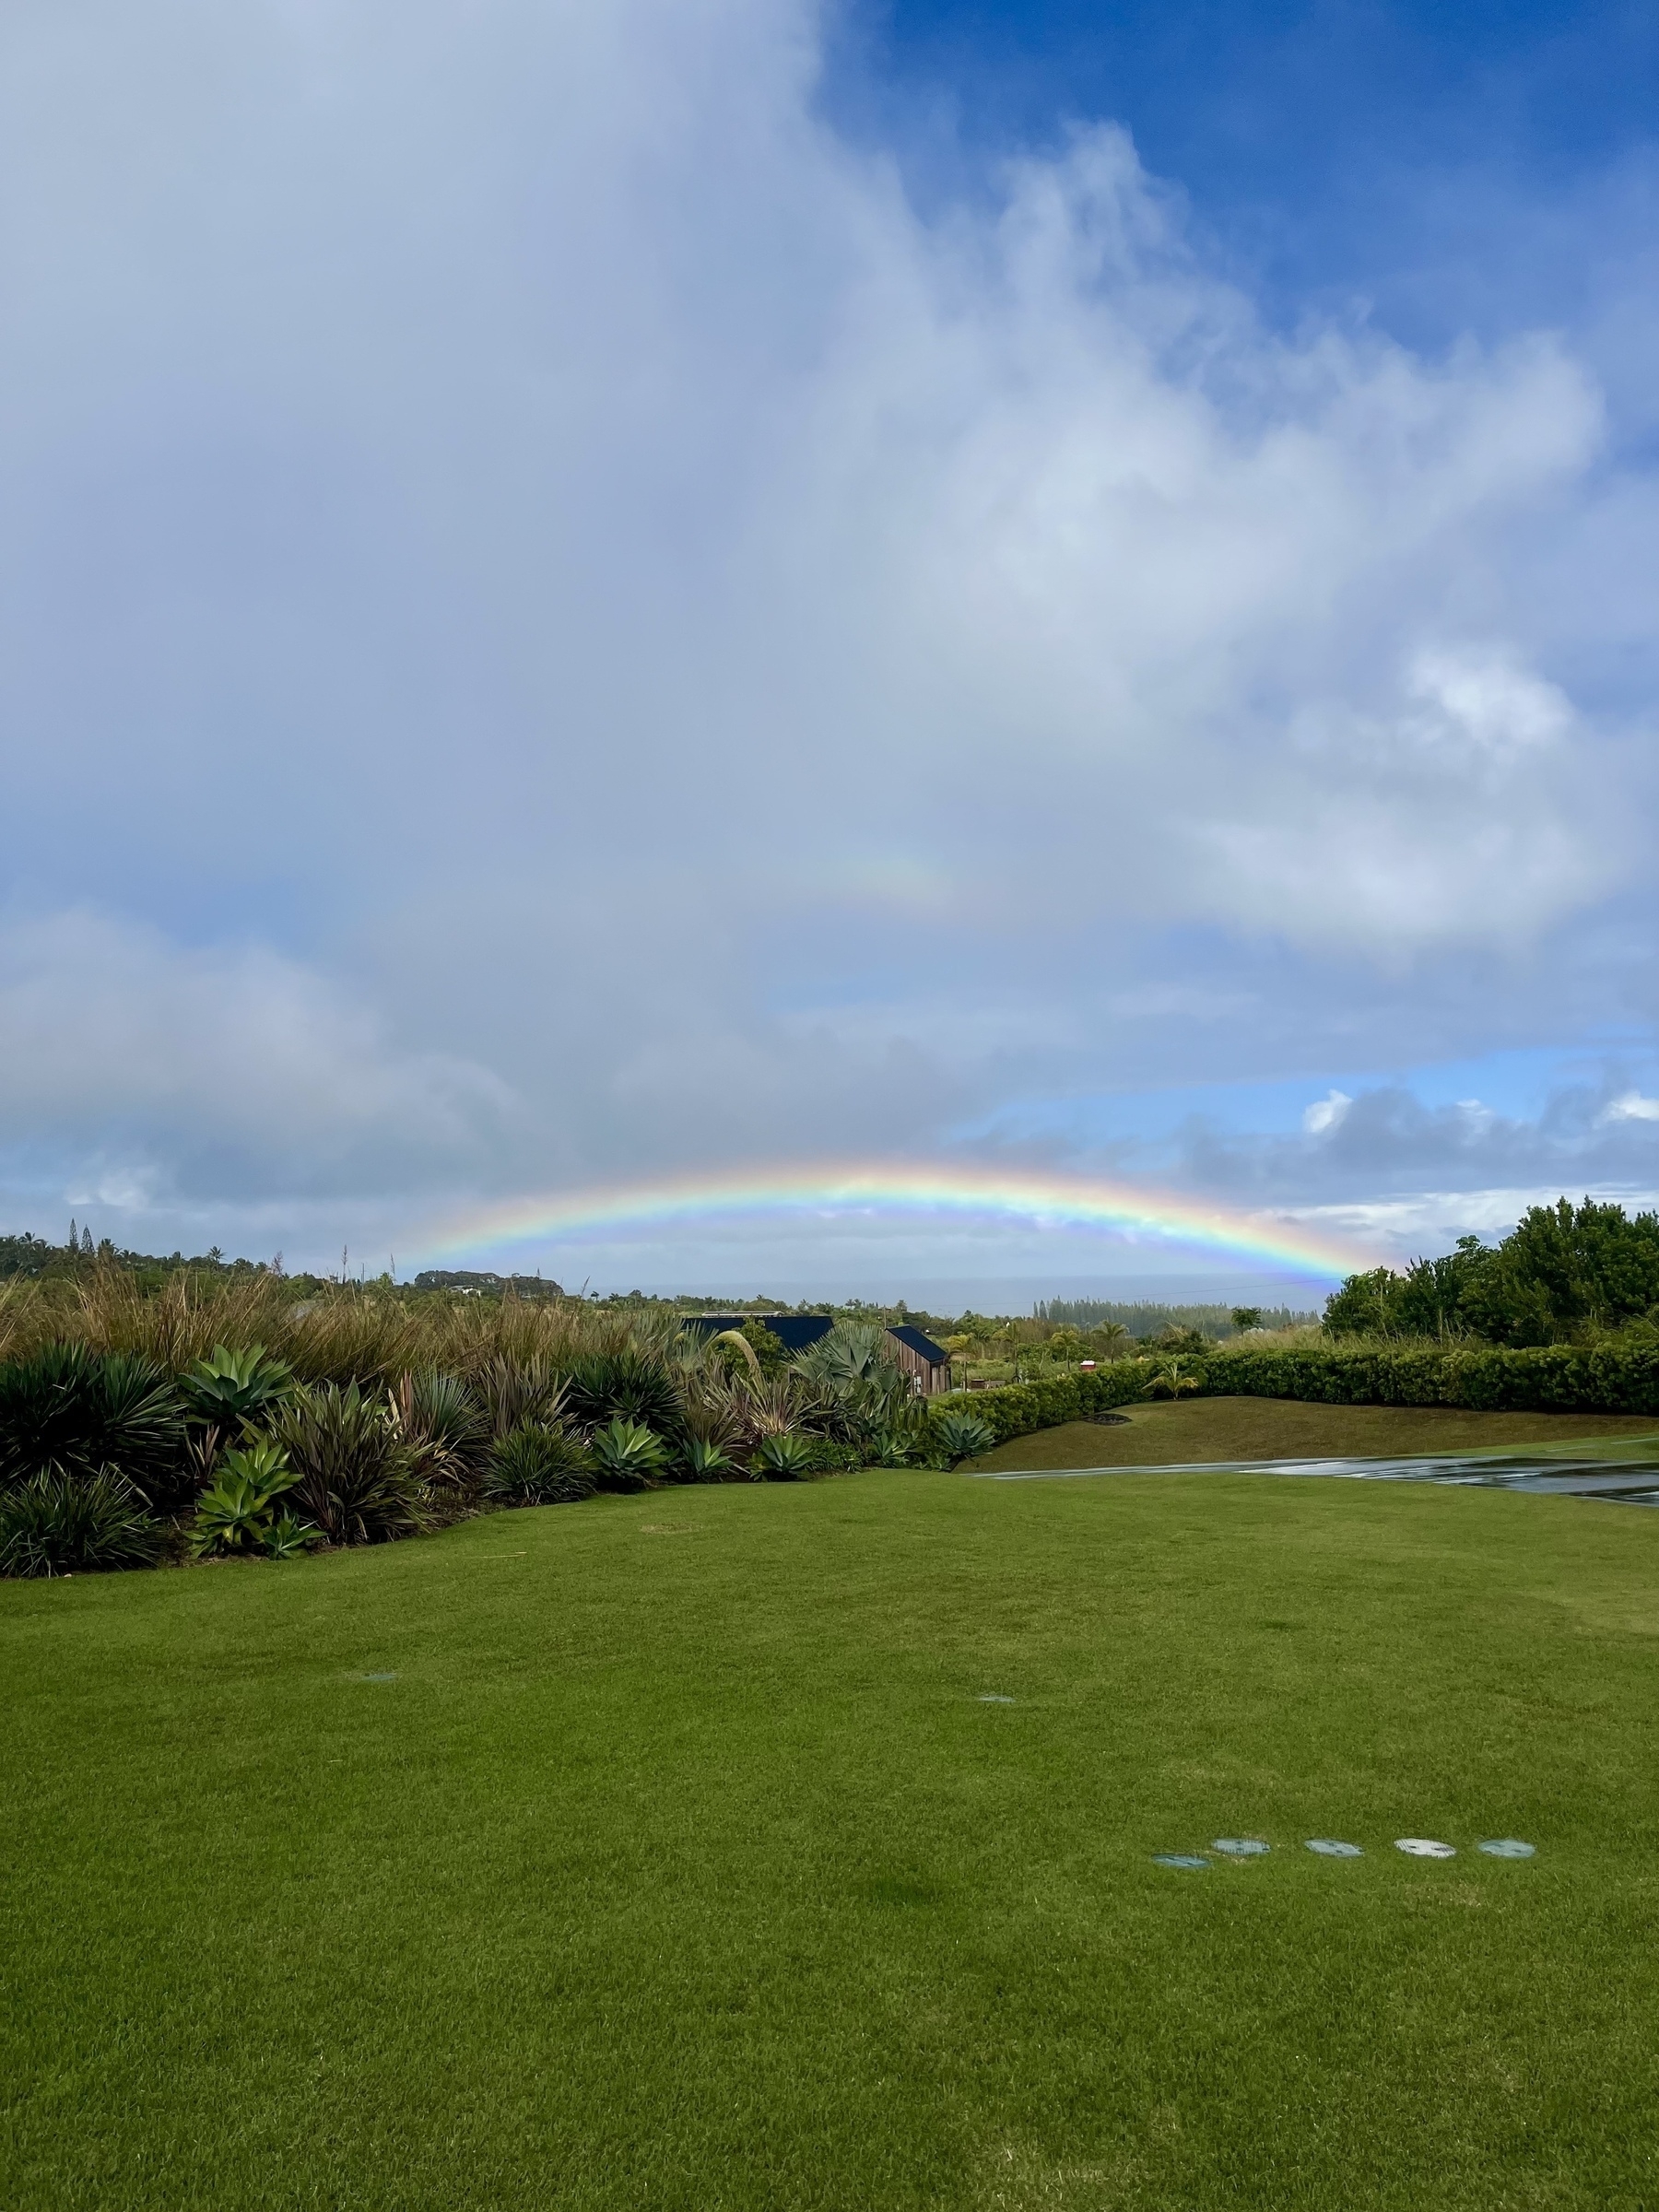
{"points": [[1605, 1378], [222, 1418], [1021, 1408], [1564, 1275]]}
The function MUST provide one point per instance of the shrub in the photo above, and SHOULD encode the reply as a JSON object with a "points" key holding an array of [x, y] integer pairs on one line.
{"points": [[963, 1435], [625, 1386], [234, 1513], [515, 1390], [81, 1412], [1174, 1379], [628, 1456], [231, 1390], [536, 1465], [1611, 1378], [1020, 1408], [443, 1426], [355, 1479], [59, 1523], [784, 1456]]}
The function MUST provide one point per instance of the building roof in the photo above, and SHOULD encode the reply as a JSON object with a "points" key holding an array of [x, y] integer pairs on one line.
{"points": [[794, 1330], [935, 1354]]}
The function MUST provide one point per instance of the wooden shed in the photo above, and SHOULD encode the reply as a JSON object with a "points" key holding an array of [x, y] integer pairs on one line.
{"points": [[927, 1363]]}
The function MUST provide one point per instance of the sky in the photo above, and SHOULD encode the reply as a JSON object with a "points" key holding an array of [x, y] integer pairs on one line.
{"points": [[596, 596]]}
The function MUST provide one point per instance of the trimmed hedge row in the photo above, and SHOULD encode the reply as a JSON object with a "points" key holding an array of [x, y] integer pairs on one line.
{"points": [[1020, 1408], [1544, 1379]]}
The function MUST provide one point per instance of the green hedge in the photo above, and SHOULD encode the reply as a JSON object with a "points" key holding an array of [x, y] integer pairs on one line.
{"points": [[1546, 1378], [1020, 1408]]}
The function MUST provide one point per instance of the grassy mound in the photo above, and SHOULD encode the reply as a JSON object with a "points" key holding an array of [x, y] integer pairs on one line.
{"points": [[665, 1851], [1192, 1429]]}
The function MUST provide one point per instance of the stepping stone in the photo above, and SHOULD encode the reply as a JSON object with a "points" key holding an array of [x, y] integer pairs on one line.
{"points": [[1507, 1847], [1328, 1850], [1187, 1861], [1240, 1847], [1424, 1847]]}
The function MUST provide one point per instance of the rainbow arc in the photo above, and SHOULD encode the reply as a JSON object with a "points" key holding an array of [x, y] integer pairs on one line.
{"points": [[893, 1192]]}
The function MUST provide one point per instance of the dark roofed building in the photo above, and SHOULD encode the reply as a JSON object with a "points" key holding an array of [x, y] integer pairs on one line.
{"points": [[927, 1363], [794, 1331]]}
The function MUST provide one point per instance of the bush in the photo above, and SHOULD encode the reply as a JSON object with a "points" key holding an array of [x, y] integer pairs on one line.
{"points": [[785, 1457], [962, 1435], [355, 1478], [443, 1427], [628, 1456], [60, 1524], [1020, 1408], [625, 1386], [1539, 1378], [82, 1412], [514, 1390], [231, 1390], [535, 1465], [1175, 1378]]}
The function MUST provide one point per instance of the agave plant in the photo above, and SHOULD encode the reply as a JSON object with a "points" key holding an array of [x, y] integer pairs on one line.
{"points": [[963, 1435], [785, 1456], [355, 1478], [230, 1391], [287, 1538], [705, 1461], [234, 1513], [627, 1455], [60, 1524], [538, 1464], [891, 1448], [80, 1412]]}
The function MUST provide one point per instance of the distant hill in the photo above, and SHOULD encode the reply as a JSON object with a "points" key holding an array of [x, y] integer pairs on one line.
{"points": [[486, 1284]]}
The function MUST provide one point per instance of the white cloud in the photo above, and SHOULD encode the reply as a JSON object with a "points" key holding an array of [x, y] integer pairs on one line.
{"points": [[527, 553], [114, 1037], [1630, 1106], [1326, 1113]]}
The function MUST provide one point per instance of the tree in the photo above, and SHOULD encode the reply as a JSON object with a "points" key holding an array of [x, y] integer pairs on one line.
{"points": [[1246, 1317], [1364, 1306], [1564, 1270]]}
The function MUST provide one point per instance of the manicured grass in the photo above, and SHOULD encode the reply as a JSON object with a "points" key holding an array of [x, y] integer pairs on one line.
{"points": [[1192, 1429], [681, 1865]]}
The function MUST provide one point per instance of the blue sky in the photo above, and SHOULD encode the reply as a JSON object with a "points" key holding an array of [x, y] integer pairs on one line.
{"points": [[599, 595]]}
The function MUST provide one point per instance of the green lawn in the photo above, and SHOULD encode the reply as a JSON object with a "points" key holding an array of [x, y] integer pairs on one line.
{"points": [[1246, 1428], [682, 1864]]}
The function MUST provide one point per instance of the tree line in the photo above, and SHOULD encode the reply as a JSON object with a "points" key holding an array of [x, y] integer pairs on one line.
{"points": [[1566, 1274]]}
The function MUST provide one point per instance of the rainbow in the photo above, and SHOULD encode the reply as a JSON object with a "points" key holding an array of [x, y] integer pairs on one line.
{"points": [[985, 1196]]}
